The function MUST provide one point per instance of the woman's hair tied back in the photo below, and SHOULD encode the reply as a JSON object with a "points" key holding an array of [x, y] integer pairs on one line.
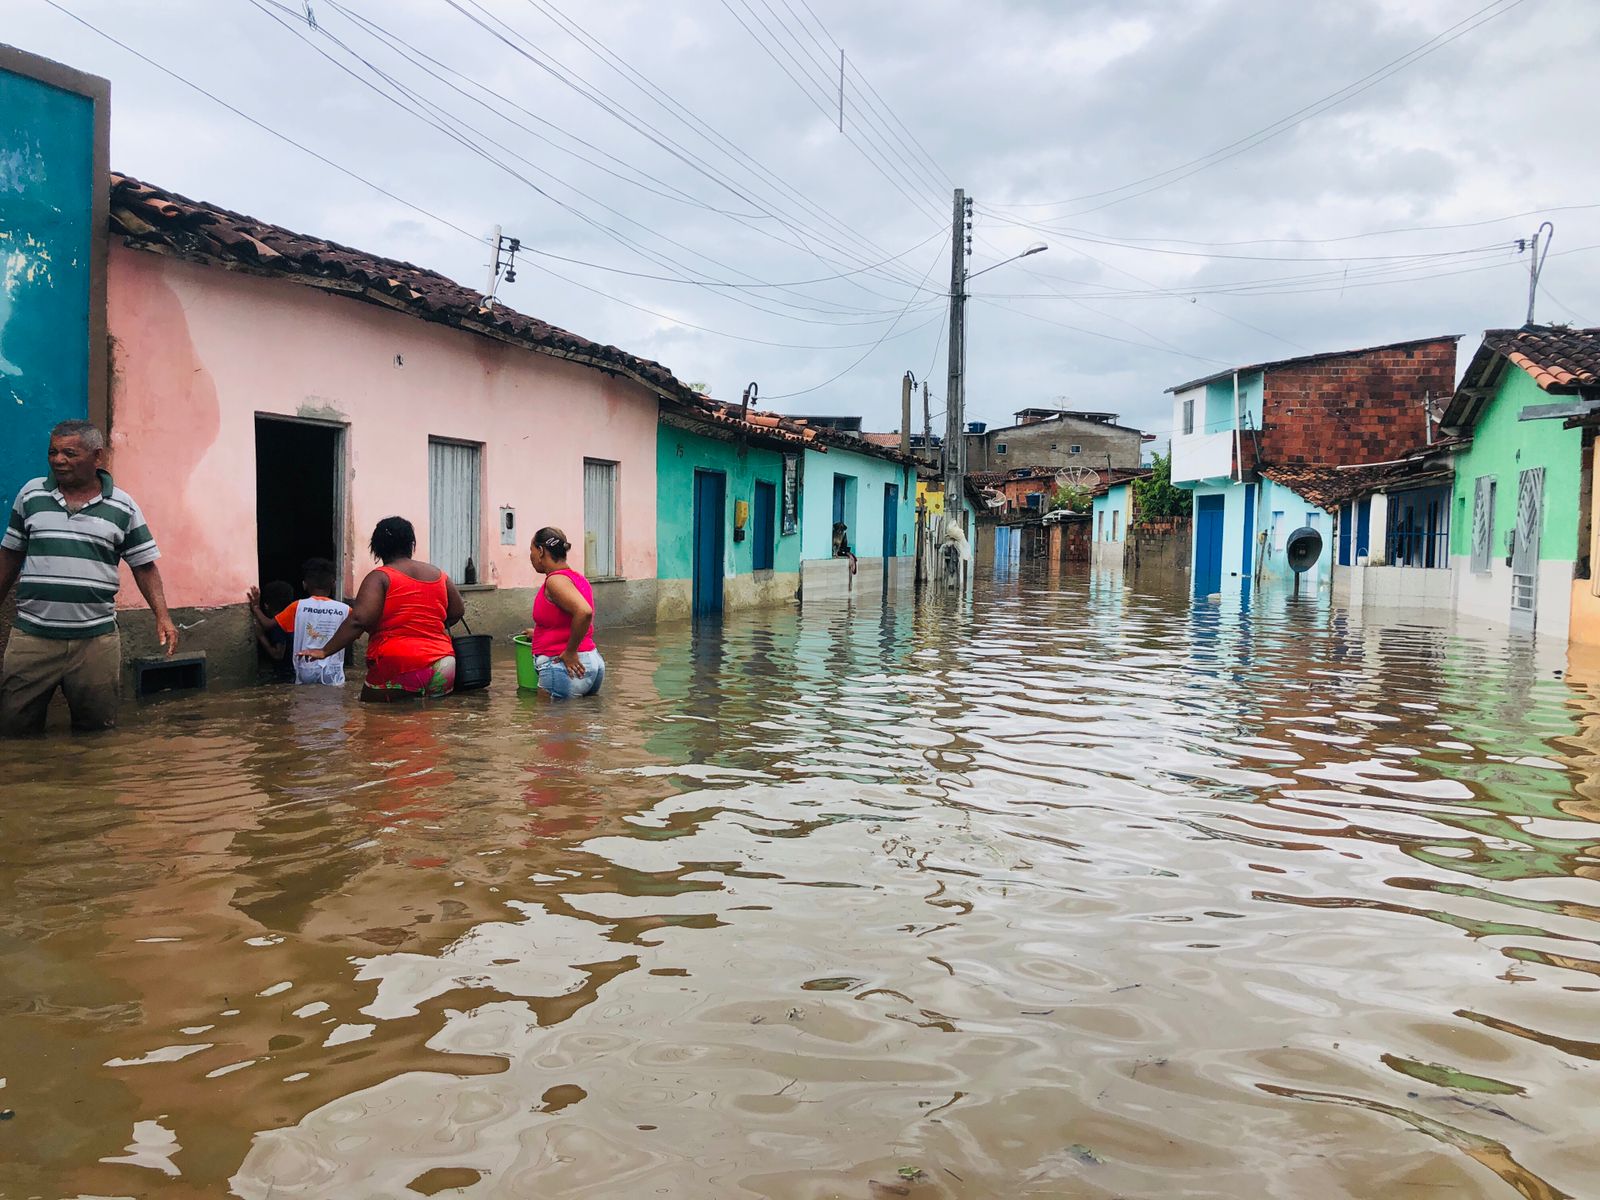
{"points": [[552, 541]]}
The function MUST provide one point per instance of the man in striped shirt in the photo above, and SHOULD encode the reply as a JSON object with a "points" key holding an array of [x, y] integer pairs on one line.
{"points": [[66, 535]]}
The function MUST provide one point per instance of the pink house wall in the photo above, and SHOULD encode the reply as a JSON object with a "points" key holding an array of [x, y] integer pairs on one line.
{"points": [[198, 351]]}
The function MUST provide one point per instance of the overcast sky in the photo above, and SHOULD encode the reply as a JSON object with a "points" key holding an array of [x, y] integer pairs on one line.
{"points": [[714, 158]]}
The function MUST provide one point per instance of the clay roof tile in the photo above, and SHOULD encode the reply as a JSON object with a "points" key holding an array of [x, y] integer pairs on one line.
{"points": [[149, 218]]}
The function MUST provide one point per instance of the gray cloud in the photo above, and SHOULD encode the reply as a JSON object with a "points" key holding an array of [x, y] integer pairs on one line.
{"points": [[1020, 102]]}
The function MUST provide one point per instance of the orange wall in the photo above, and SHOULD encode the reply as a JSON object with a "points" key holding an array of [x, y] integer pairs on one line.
{"points": [[199, 351]]}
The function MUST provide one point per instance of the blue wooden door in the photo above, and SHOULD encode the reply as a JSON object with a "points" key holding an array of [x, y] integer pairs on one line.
{"points": [[763, 503], [1207, 545], [891, 519], [710, 505]]}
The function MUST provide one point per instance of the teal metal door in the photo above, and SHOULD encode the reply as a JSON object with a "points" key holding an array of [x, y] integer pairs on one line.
{"points": [[1207, 545], [710, 514], [763, 533], [891, 520], [53, 182]]}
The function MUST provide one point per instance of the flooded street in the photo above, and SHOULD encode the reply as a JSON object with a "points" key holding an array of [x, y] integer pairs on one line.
{"points": [[1074, 891]]}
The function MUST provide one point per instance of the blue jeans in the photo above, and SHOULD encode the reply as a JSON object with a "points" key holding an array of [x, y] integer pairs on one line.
{"points": [[554, 679]]}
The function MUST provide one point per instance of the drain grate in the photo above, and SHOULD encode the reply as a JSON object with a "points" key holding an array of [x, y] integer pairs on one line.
{"points": [[182, 674]]}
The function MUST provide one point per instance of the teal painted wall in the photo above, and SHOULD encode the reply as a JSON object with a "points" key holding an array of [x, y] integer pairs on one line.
{"points": [[47, 189], [1115, 500], [679, 454], [1270, 497], [1218, 416], [866, 531], [1504, 447]]}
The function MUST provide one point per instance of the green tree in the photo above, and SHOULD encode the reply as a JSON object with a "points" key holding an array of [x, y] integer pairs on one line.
{"points": [[1156, 496], [1070, 498]]}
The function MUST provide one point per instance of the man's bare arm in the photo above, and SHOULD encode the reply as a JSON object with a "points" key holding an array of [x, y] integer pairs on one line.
{"points": [[148, 579]]}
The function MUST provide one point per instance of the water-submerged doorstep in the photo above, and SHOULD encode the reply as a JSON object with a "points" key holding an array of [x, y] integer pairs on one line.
{"points": [[1076, 889]]}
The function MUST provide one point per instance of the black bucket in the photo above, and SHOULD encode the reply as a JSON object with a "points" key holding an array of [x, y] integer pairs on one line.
{"points": [[472, 660]]}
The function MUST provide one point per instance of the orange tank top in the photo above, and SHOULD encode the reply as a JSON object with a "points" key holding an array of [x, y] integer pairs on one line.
{"points": [[411, 632]]}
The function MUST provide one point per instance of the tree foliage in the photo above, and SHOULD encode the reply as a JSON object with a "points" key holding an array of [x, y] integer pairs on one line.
{"points": [[1156, 495], [1073, 499]]}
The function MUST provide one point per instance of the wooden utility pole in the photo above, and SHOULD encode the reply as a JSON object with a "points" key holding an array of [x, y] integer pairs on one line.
{"points": [[955, 422]]}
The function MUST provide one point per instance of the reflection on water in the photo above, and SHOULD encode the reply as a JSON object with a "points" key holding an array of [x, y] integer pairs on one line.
{"points": [[1070, 890]]}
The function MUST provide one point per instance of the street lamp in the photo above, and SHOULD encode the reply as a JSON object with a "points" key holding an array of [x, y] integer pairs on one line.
{"points": [[1036, 248]]}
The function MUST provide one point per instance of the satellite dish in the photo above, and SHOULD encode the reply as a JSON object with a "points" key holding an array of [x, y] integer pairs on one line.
{"points": [[993, 498], [1084, 479], [1301, 552]]}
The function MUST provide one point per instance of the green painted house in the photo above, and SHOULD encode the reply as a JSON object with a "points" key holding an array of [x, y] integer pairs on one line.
{"points": [[746, 504], [1522, 533], [727, 533]]}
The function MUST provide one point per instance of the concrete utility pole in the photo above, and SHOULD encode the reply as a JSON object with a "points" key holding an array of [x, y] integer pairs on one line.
{"points": [[955, 398], [907, 382], [1536, 264], [927, 425]]}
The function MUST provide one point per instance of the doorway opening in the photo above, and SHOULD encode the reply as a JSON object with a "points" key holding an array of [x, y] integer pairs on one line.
{"points": [[299, 497]]}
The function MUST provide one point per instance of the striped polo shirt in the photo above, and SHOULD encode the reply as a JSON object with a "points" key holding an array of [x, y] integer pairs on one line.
{"points": [[68, 586]]}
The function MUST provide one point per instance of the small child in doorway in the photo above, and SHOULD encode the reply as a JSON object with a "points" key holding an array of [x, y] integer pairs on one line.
{"points": [[265, 604], [311, 622]]}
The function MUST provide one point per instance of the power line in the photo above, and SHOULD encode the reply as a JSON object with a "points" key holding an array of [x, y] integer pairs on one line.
{"points": [[265, 128], [1277, 282], [620, 112], [510, 37], [868, 352], [878, 166], [436, 117], [887, 137], [1096, 333], [700, 128], [1294, 241], [419, 209], [928, 158]]}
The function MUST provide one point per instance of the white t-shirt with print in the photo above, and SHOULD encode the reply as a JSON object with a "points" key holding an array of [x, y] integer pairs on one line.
{"points": [[315, 622]]}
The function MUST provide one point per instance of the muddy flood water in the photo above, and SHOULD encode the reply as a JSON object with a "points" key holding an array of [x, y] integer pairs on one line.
{"points": [[1074, 891]]}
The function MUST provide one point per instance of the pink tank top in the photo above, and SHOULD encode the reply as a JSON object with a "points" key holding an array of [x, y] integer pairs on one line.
{"points": [[552, 627]]}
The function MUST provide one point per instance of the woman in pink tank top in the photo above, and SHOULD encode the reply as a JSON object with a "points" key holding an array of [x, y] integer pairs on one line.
{"points": [[562, 636]]}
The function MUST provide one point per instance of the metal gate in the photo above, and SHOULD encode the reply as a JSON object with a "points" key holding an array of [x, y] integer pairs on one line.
{"points": [[1525, 549]]}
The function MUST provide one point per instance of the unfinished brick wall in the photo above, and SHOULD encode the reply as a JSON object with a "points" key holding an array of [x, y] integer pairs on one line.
{"points": [[1354, 408]]}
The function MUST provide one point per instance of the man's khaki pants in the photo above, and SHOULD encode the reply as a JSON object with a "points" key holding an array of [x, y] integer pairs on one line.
{"points": [[87, 670]]}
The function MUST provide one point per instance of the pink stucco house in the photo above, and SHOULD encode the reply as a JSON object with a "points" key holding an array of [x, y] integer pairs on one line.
{"points": [[273, 395]]}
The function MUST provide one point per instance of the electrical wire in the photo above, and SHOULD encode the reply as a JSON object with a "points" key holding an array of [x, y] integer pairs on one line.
{"points": [[921, 149], [507, 34], [885, 136], [1294, 241], [1097, 333], [437, 118], [701, 129], [878, 166], [868, 353], [420, 209]]}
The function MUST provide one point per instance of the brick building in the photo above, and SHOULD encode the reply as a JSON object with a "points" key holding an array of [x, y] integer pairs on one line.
{"points": [[1349, 407]]}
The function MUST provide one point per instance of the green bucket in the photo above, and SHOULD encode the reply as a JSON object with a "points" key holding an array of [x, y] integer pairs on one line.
{"points": [[527, 673]]}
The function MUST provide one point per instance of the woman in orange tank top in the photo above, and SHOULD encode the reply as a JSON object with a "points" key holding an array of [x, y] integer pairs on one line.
{"points": [[403, 608]]}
